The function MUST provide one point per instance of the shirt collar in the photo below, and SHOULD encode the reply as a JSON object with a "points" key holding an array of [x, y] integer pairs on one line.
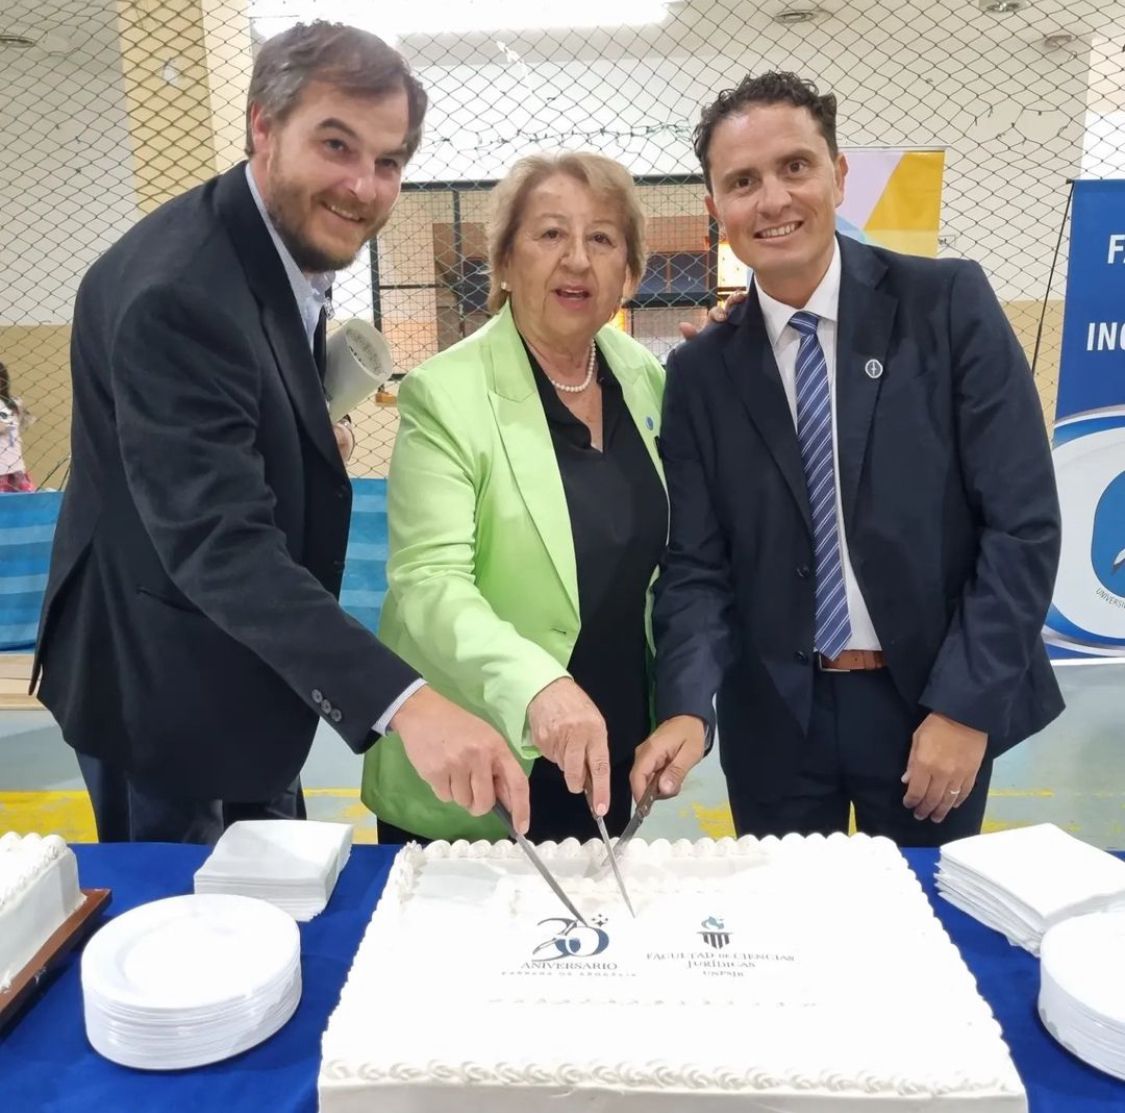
{"points": [[305, 288], [825, 301]]}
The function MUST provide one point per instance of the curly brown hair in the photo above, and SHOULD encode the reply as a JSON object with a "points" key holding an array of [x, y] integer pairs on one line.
{"points": [[775, 87]]}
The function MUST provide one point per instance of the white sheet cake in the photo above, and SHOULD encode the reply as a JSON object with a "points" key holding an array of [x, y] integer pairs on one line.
{"points": [[792, 976], [38, 891]]}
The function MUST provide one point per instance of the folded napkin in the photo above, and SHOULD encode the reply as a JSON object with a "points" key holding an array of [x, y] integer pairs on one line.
{"points": [[1023, 881], [292, 863]]}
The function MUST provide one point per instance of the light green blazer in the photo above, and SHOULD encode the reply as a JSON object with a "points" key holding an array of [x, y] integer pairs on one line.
{"points": [[482, 590]]}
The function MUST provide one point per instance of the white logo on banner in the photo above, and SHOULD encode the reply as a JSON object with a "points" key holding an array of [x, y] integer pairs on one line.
{"points": [[1090, 589]]}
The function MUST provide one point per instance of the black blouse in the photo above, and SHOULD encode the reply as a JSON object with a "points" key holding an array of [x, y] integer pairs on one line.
{"points": [[619, 522]]}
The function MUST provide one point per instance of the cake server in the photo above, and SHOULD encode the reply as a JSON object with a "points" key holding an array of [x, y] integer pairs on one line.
{"points": [[505, 817]]}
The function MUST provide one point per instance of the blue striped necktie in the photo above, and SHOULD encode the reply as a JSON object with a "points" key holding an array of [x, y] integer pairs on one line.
{"points": [[814, 434]]}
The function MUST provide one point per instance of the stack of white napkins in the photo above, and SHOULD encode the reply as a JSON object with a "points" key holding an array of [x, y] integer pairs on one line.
{"points": [[1023, 881], [190, 980], [1082, 989], [292, 863]]}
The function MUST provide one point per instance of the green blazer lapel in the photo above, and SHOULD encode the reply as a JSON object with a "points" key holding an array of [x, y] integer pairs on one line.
{"points": [[527, 444], [643, 405]]}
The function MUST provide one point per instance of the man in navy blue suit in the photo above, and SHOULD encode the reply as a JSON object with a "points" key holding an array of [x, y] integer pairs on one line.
{"points": [[865, 526]]}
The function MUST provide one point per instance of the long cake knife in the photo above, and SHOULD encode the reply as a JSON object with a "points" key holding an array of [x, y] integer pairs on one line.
{"points": [[612, 859], [640, 814], [613, 862], [505, 817]]}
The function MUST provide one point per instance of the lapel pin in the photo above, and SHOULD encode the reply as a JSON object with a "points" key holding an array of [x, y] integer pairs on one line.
{"points": [[873, 368], [649, 424]]}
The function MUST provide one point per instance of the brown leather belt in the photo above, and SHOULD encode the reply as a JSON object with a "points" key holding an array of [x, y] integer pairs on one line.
{"points": [[853, 660]]}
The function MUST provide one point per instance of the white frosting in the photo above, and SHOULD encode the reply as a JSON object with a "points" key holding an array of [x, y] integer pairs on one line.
{"points": [[38, 891], [793, 975]]}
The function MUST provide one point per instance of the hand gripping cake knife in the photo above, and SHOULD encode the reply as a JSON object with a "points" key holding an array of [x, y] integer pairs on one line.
{"points": [[505, 817]]}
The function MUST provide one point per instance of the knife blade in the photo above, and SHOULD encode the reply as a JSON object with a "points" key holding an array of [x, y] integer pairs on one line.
{"points": [[505, 817], [640, 814], [612, 858]]}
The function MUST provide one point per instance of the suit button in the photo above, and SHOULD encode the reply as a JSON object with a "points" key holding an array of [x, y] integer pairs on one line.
{"points": [[343, 491], [804, 571], [317, 695], [802, 657], [336, 716], [325, 706]]}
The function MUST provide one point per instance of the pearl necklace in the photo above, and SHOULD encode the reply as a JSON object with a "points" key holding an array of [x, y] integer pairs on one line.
{"points": [[580, 387]]}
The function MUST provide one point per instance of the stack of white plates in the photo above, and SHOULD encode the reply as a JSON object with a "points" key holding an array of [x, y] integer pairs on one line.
{"points": [[190, 980], [292, 863], [1023, 881], [1082, 988]]}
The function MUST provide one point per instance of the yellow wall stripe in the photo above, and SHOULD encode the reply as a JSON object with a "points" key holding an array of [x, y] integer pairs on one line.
{"points": [[68, 813]]}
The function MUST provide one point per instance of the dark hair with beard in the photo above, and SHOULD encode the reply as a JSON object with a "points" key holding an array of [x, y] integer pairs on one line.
{"points": [[347, 58], [775, 87]]}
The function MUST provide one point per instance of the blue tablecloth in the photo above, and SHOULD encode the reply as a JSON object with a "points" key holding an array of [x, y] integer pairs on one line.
{"points": [[46, 1066]]}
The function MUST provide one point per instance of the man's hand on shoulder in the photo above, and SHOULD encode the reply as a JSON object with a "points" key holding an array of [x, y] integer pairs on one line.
{"points": [[461, 757], [716, 313]]}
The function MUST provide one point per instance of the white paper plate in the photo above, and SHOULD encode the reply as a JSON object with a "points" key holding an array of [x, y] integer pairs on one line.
{"points": [[194, 952], [179, 1048], [1085, 959], [1082, 988]]}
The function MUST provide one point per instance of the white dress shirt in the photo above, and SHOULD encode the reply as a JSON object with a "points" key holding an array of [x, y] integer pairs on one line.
{"points": [[785, 341], [310, 292]]}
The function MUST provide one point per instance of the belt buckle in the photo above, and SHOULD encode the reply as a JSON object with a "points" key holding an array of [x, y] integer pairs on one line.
{"points": [[822, 667]]}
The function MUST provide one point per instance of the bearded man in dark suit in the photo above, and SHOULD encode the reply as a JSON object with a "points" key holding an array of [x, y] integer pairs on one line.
{"points": [[191, 637]]}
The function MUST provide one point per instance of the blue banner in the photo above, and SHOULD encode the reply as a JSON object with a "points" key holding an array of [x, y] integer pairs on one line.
{"points": [[27, 527], [1087, 618]]}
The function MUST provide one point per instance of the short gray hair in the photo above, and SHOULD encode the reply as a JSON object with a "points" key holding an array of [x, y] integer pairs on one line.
{"points": [[606, 179], [345, 57]]}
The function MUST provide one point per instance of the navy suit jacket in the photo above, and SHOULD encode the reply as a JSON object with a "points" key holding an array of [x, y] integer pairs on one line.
{"points": [[949, 507], [190, 633]]}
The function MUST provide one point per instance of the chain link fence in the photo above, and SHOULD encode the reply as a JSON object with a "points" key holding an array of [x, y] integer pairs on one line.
{"points": [[110, 108]]}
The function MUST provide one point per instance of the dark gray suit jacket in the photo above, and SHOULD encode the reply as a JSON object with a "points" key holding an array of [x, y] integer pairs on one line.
{"points": [[190, 632]]}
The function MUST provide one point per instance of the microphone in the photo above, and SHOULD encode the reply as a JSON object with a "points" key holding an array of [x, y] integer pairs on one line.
{"points": [[357, 363]]}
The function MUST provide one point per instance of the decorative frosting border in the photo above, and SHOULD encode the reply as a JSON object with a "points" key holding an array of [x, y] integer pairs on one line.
{"points": [[703, 848], [655, 1075], [24, 858]]}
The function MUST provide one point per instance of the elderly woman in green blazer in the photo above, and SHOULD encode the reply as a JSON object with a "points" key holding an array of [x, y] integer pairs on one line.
{"points": [[528, 513]]}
